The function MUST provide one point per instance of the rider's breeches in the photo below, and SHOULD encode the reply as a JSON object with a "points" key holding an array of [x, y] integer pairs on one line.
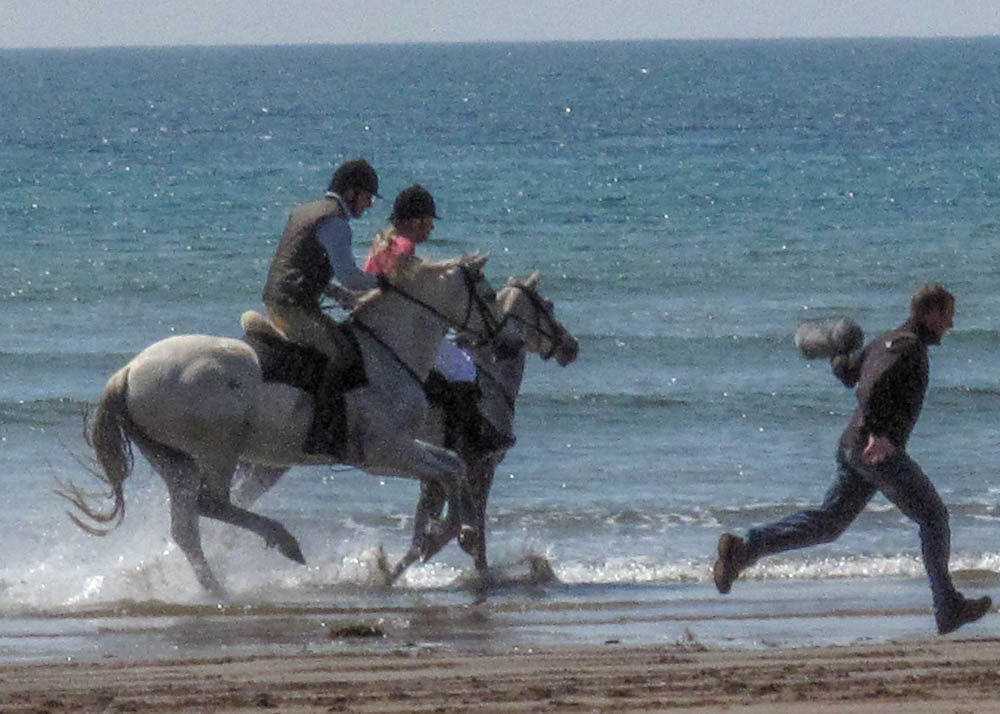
{"points": [[902, 481], [454, 363]]}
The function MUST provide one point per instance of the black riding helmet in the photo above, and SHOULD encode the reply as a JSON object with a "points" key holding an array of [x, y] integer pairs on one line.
{"points": [[413, 202], [357, 174]]}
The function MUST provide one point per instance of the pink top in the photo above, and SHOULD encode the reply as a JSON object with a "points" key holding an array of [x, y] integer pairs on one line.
{"points": [[383, 261]]}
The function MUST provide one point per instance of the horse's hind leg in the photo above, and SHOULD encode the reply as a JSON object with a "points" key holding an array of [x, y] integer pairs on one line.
{"points": [[214, 502], [253, 481], [273, 533], [181, 475], [186, 533]]}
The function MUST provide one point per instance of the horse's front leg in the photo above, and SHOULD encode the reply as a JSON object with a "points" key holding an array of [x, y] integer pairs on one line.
{"points": [[429, 508], [483, 470], [430, 540], [435, 465]]}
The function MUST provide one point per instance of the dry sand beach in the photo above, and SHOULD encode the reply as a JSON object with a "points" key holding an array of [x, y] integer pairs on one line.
{"points": [[926, 675]]}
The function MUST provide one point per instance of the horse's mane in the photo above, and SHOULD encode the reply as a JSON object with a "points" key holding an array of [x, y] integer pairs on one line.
{"points": [[410, 269]]}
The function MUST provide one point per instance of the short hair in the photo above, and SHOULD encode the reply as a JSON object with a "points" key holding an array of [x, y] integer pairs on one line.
{"points": [[931, 297]]}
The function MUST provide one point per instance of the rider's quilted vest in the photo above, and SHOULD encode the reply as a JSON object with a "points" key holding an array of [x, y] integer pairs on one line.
{"points": [[301, 268]]}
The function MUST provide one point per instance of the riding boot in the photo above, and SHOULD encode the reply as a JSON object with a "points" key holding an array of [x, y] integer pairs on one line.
{"points": [[337, 375], [329, 425], [463, 418]]}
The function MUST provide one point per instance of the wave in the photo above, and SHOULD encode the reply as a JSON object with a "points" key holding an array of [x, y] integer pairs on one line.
{"points": [[43, 412], [969, 391], [604, 400], [545, 581], [878, 514]]}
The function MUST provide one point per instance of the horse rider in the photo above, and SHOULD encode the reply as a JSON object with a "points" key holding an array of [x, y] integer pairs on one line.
{"points": [[314, 249], [453, 380]]}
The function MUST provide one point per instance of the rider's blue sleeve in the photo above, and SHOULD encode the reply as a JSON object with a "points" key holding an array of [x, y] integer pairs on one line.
{"points": [[335, 235]]}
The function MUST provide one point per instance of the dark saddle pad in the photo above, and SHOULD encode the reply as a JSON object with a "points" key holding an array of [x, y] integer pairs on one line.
{"points": [[327, 379]]}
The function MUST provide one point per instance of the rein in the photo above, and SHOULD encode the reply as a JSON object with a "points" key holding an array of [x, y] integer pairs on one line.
{"points": [[492, 326], [555, 340], [385, 345]]}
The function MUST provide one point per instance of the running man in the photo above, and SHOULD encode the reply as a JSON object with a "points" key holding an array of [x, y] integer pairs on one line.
{"points": [[891, 374]]}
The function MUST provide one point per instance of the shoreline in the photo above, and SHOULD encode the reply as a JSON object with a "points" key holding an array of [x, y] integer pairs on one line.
{"points": [[922, 675], [759, 615]]}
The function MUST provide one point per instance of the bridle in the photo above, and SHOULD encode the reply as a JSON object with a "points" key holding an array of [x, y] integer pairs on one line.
{"points": [[550, 331], [553, 332], [492, 326]]}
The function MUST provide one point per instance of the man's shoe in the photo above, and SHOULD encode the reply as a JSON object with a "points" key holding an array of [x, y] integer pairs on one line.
{"points": [[732, 559], [967, 611]]}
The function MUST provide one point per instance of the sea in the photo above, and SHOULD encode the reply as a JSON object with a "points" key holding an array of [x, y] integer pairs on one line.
{"points": [[687, 203]]}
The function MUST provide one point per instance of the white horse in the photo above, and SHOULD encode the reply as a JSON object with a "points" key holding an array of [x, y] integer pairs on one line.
{"points": [[197, 405], [522, 306]]}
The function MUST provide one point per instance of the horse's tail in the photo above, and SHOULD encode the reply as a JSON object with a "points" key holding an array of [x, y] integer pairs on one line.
{"points": [[110, 435]]}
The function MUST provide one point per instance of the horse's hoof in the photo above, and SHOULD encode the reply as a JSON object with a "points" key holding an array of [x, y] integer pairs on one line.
{"points": [[290, 549], [468, 540], [382, 561], [426, 548], [216, 592]]}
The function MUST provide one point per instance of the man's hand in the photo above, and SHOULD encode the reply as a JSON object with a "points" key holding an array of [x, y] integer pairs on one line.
{"points": [[847, 368], [347, 299], [878, 449]]}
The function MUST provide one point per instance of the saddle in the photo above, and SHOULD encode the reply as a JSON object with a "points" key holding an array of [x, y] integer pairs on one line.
{"points": [[327, 379]]}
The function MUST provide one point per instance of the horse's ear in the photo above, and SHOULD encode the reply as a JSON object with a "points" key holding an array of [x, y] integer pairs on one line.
{"points": [[532, 281], [476, 261]]}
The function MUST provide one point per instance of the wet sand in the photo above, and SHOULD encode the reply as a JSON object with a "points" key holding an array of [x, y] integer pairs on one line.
{"points": [[923, 675]]}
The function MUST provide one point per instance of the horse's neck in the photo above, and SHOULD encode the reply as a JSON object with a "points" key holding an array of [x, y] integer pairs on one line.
{"points": [[500, 381], [412, 332]]}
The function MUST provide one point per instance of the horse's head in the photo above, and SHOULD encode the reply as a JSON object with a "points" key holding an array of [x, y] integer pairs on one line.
{"points": [[522, 303]]}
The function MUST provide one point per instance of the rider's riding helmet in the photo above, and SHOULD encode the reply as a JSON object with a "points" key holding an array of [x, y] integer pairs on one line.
{"points": [[356, 174], [413, 202]]}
